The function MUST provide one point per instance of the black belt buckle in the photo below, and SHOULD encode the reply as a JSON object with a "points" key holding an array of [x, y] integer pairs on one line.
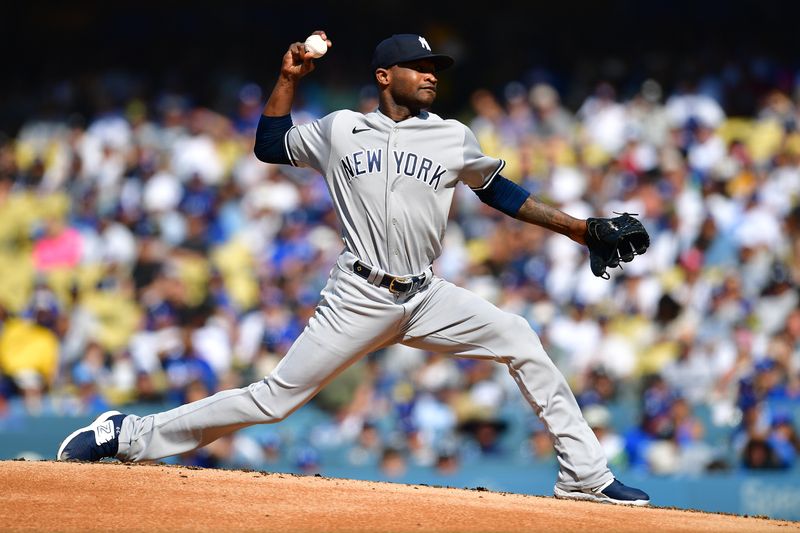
{"points": [[397, 285]]}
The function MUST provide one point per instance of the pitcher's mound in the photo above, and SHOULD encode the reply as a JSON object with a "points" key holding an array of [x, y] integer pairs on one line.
{"points": [[52, 496]]}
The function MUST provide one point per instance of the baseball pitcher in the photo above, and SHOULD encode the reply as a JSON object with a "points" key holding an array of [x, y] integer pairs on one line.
{"points": [[392, 174]]}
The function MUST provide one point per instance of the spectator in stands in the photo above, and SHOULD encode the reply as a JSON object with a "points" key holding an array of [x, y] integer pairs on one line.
{"points": [[29, 351], [603, 119], [599, 388], [783, 439], [448, 458], [484, 435], [393, 463], [368, 446], [759, 455], [599, 419], [538, 446], [186, 371], [551, 119]]}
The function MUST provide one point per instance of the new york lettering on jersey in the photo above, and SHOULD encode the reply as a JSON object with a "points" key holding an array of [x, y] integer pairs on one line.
{"points": [[419, 167], [362, 162], [405, 164]]}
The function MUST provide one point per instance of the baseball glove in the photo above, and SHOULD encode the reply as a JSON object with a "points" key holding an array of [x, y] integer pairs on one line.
{"points": [[614, 240]]}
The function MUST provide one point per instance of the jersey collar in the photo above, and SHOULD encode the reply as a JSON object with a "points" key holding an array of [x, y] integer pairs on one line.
{"points": [[422, 116]]}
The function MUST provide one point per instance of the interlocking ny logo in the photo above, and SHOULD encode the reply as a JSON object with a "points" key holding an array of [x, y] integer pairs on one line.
{"points": [[424, 44], [104, 432]]}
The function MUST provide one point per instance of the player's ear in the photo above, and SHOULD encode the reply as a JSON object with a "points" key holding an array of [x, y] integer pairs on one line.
{"points": [[382, 76]]}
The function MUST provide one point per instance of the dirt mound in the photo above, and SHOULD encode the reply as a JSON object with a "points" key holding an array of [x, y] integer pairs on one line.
{"points": [[51, 496]]}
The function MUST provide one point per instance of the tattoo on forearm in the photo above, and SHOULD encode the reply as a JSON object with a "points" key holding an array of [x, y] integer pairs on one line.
{"points": [[541, 214]]}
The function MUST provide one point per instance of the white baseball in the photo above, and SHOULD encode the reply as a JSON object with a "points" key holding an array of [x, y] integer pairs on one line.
{"points": [[316, 45]]}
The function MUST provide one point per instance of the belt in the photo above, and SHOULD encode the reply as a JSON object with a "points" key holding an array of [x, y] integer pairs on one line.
{"points": [[396, 284]]}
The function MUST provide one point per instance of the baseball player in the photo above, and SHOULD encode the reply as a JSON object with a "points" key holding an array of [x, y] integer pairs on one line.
{"points": [[391, 174]]}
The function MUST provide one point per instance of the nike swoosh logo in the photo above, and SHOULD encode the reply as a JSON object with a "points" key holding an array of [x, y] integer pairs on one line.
{"points": [[356, 130]]}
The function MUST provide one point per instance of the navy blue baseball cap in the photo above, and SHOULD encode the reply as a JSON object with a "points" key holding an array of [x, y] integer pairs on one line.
{"points": [[403, 47]]}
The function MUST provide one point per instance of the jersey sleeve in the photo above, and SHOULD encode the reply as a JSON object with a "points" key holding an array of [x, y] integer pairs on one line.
{"points": [[479, 170], [309, 144]]}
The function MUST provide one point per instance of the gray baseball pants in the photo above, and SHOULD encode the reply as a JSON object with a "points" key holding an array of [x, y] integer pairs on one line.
{"points": [[355, 318]]}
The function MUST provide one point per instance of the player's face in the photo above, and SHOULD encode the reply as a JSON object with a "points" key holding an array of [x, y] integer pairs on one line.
{"points": [[413, 84]]}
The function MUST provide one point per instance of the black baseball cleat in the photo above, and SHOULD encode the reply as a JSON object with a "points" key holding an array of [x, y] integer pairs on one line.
{"points": [[612, 492], [96, 441]]}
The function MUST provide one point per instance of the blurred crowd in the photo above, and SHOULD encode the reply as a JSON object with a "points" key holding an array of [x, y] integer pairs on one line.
{"points": [[148, 258]]}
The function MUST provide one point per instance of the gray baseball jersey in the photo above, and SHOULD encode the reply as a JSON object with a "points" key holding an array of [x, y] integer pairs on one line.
{"points": [[392, 182], [392, 185]]}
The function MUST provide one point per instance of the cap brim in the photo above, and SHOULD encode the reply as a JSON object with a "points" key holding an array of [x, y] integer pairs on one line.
{"points": [[440, 61]]}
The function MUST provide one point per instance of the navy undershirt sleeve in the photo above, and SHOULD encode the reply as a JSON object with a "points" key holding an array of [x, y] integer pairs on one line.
{"points": [[269, 146], [504, 195]]}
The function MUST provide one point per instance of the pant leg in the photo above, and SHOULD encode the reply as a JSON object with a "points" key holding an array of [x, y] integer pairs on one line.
{"points": [[352, 320], [450, 319]]}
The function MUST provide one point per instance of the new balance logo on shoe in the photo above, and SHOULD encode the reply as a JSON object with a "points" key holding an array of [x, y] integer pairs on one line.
{"points": [[104, 432]]}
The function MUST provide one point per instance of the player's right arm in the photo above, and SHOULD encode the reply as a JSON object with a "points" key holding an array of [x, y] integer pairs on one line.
{"points": [[276, 119], [296, 64]]}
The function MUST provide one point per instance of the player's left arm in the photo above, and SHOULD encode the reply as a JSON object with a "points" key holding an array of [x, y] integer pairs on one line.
{"points": [[513, 200], [536, 212]]}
